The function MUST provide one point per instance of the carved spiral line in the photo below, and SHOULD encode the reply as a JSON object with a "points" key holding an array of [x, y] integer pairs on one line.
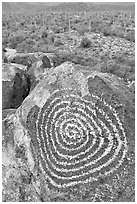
{"points": [[79, 140]]}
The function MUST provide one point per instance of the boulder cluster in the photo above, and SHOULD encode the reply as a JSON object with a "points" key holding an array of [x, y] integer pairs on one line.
{"points": [[68, 132]]}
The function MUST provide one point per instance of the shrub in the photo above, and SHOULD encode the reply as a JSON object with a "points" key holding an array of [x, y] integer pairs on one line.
{"points": [[24, 47], [51, 37], [44, 34], [15, 40], [44, 48], [5, 41], [130, 37], [35, 48], [30, 41], [32, 29], [107, 32], [33, 36], [82, 29], [22, 23], [58, 42], [119, 34], [85, 43], [63, 56], [131, 62], [57, 29]]}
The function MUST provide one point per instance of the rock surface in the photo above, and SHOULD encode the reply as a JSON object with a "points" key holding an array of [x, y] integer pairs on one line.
{"points": [[36, 63], [27, 58], [14, 85], [9, 54], [72, 139]]}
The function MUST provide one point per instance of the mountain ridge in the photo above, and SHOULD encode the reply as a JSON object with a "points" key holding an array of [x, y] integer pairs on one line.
{"points": [[67, 6]]}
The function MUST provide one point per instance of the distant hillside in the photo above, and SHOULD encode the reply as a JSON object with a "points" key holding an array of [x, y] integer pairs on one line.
{"points": [[6, 6], [130, 6], [17, 6], [54, 6], [88, 6], [74, 6], [66, 6]]}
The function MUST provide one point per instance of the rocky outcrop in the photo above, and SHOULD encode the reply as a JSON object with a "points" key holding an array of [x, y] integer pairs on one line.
{"points": [[25, 59], [22, 74], [40, 68], [72, 139], [48, 59], [15, 85], [7, 112], [37, 64], [9, 54]]}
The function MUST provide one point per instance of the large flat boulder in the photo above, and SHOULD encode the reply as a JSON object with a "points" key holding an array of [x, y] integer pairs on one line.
{"points": [[75, 136]]}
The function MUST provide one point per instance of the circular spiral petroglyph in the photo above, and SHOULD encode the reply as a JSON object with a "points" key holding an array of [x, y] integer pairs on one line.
{"points": [[80, 139]]}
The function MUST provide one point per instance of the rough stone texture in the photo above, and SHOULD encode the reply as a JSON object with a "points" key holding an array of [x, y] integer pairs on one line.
{"points": [[31, 68], [70, 111], [37, 64], [25, 59], [14, 85], [9, 54], [7, 112], [30, 58], [38, 69]]}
